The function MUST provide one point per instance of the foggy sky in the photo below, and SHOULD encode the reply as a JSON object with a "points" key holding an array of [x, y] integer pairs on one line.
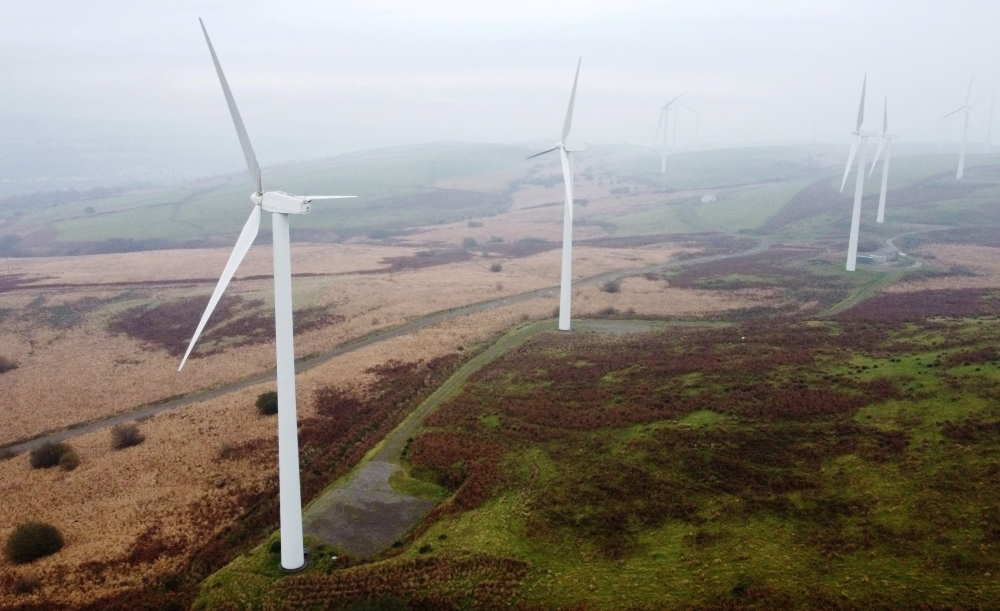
{"points": [[315, 79]]}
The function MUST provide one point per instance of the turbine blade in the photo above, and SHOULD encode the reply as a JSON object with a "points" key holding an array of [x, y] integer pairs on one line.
{"points": [[239, 251], [861, 108], [878, 152], [658, 125], [885, 116], [555, 148], [968, 94], [671, 102], [569, 110], [956, 111], [850, 160], [241, 130]]}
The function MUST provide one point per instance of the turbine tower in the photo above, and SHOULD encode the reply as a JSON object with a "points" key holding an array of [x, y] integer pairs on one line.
{"points": [[965, 109], [280, 205], [665, 123], [887, 142], [860, 137], [566, 150]]}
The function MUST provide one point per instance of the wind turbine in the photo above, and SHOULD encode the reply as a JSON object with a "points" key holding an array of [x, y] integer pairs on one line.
{"points": [[966, 109], [566, 150], [665, 123], [887, 142], [280, 205], [860, 137]]}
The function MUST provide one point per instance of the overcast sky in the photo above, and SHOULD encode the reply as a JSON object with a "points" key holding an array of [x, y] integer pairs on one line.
{"points": [[315, 79]]}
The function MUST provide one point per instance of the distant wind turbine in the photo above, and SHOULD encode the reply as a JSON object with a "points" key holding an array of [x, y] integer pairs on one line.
{"points": [[665, 124], [280, 205], [966, 109], [566, 150], [886, 140], [860, 138]]}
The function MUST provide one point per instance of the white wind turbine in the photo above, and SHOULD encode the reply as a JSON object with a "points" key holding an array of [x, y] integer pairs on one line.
{"points": [[566, 150], [965, 109], [280, 205], [887, 142], [860, 137], [665, 124]]}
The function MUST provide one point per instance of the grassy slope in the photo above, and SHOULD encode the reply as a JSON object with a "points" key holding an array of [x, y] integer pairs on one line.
{"points": [[924, 534], [210, 207]]}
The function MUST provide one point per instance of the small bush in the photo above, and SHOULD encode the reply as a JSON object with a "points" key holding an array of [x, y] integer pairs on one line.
{"points": [[267, 403], [6, 364], [89, 210], [126, 435], [69, 460], [475, 224], [608, 311], [275, 547], [25, 584], [426, 548], [31, 541], [470, 242], [496, 267], [612, 286], [495, 239], [48, 455]]}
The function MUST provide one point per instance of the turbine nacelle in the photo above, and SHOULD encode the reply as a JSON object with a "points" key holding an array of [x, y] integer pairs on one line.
{"points": [[286, 203], [571, 147]]}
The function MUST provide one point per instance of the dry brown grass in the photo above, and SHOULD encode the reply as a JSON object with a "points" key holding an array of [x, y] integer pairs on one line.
{"points": [[982, 261], [83, 373], [207, 263]]}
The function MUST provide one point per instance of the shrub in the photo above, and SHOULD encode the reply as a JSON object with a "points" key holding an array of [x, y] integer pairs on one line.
{"points": [[31, 541], [496, 267], [612, 286], [89, 210], [69, 460], [426, 548], [475, 224], [48, 455], [126, 435], [267, 403], [495, 239], [6, 364], [25, 584], [470, 242], [7, 454]]}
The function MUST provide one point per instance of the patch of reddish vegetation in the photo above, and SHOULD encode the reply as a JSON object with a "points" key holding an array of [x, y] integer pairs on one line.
{"points": [[10, 282], [426, 258], [971, 357], [521, 248], [170, 325], [493, 582], [898, 308]]}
